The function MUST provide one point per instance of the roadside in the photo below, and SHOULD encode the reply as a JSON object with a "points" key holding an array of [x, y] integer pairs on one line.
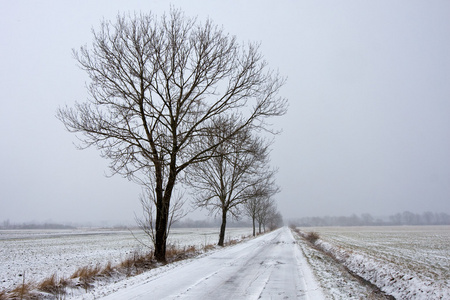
{"points": [[396, 263], [335, 280], [269, 266], [87, 256]]}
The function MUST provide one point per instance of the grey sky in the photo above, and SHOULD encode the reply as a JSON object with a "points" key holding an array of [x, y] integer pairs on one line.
{"points": [[368, 127]]}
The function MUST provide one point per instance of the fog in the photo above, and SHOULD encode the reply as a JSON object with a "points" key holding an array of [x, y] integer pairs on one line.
{"points": [[367, 130]]}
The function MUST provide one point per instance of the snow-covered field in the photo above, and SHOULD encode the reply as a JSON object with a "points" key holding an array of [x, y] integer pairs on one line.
{"points": [[38, 254], [406, 262]]}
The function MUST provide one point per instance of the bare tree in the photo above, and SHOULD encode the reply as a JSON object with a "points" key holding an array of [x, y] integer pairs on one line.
{"points": [[258, 197], [251, 208], [274, 220], [157, 85], [267, 207], [225, 182]]}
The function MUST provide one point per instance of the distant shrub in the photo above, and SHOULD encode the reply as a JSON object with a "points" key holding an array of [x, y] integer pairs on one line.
{"points": [[312, 237]]}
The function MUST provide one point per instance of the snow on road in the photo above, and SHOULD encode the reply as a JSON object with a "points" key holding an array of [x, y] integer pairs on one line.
{"points": [[268, 267]]}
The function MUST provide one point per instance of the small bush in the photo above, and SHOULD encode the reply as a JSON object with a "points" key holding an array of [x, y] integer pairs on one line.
{"points": [[312, 237]]}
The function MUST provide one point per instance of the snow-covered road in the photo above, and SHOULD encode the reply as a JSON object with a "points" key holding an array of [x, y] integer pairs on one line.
{"points": [[268, 267]]}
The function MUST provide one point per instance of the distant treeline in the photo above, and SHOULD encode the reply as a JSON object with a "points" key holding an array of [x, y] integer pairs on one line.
{"points": [[10, 226], [184, 223], [405, 218]]}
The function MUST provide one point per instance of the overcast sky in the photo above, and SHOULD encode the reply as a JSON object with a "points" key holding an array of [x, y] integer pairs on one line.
{"points": [[368, 126]]}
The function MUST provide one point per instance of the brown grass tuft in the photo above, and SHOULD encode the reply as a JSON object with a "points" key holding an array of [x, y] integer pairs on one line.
{"points": [[86, 272], [22, 291], [54, 285], [3, 295], [175, 254], [208, 247], [107, 270], [137, 262], [231, 242], [86, 275]]}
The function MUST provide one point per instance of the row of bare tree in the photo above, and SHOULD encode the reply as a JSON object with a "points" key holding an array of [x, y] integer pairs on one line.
{"points": [[173, 100]]}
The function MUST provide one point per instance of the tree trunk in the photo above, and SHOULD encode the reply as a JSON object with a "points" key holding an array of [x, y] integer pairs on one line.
{"points": [[259, 223], [254, 226], [162, 217], [222, 227]]}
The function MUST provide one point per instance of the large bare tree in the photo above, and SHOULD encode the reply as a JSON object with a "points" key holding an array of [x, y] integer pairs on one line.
{"points": [[156, 86], [237, 167]]}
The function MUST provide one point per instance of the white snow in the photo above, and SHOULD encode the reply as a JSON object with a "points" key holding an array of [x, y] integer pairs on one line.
{"points": [[334, 280], [41, 253], [268, 267], [407, 263]]}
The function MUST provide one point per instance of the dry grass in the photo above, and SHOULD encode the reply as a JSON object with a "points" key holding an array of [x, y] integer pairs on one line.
{"points": [[54, 285], [86, 276], [231, 242], [137, 263], [107, 270], [23, 291], [311, 237], [208, 247], [86, 272], [174, 253], [127, 265]]}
